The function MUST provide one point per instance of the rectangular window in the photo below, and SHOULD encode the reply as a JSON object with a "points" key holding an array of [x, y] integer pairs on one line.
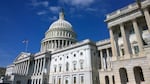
{"points": [[74, 66], [136, 49], [54, 68], [60, 68], [81, 65], [122, 51], [82, 80]]}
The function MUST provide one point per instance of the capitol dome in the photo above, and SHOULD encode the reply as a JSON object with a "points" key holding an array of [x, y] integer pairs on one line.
{"points": [[60, 34]]}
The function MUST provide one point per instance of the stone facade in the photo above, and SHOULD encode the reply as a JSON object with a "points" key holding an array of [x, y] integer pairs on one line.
{"points": [[129, 37]]}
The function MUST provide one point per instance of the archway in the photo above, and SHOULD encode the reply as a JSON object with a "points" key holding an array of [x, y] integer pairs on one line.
{"points": [[106, 80], [138, 74], [123, 75]]}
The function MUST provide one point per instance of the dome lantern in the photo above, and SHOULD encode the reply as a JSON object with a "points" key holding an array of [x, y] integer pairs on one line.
{"points": [[62, 15]]}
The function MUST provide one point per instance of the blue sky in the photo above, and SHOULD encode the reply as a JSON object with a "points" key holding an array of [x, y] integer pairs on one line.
{"points": [[30, 19]]}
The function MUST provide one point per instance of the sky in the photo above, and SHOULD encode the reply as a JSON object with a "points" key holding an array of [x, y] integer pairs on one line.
{"points": [[30, 19]]}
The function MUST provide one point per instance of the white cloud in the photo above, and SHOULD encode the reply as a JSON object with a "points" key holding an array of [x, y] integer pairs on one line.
{"points": [[78, 2], [36, 3], [54, 9], [41, 13], [52, 18]]}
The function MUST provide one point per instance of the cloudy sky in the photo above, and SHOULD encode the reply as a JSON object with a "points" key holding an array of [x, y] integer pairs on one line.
{"points": [[30, 19]]}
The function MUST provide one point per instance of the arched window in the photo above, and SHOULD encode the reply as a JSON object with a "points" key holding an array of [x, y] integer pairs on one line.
{"points": [[67, 66], [138, 73], [106, 80], [123, 75]]}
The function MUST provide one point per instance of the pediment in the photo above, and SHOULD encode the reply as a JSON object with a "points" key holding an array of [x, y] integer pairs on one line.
{"points": [[22, 55]]}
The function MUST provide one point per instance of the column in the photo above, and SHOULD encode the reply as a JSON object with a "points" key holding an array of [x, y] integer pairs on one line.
{"points": [[123, 33], [52, 44], [114, 49], [66, 42], [28, 63], [62, 43], [46, 45], [40, 65], [138, 35], [21, 68], [102, 63], [43, 64], [108, 59], [69, 42], [17, 68], [147, 18], [35, 64], [58, 43]]}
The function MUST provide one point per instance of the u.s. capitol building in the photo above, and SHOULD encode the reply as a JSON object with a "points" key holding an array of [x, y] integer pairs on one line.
{"points": [[122, 59]]}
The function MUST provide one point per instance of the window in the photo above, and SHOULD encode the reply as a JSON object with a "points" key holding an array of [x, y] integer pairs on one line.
{"points": [[82, 79], [122, 51], [81, 65], [66, 81], [81, 53], [123, 75], [67, 66], [55, 68], [59, 81], [106, 80], [74, 66], [113, 79], [136, 49], [119, 34], [74, 55], [59, 68], [74, 80], [145, 28], [131, 30], [138, 73], [67, 57], [60, 58]]}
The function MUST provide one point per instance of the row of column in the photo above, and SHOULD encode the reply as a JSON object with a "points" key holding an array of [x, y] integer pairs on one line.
{"points": [[105, 59], [39, 65], [22, 68], [36, 81], [61, 34], [124, 35], [55, 44]]}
